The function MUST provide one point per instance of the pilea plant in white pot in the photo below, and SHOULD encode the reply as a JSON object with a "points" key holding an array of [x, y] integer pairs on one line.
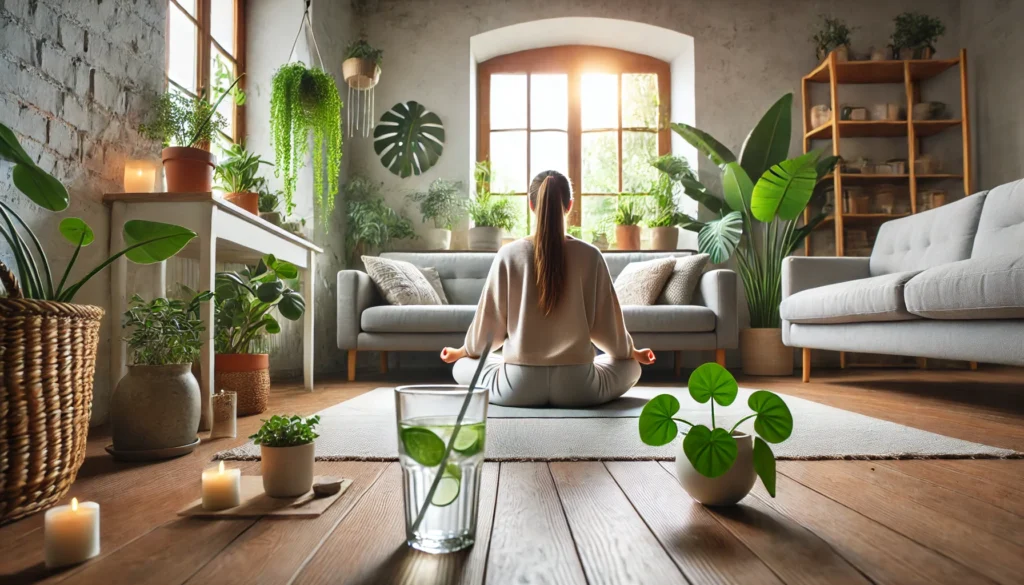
{"points": [[718, 466], [287, 446]]}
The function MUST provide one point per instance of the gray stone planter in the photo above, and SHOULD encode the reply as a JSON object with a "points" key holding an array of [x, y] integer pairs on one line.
{"points": [[155, 407], [287, 471], [485, 238]]}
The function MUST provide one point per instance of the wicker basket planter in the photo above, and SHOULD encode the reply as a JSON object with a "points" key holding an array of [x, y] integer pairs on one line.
{"points": [[246, 374], [47, 365]]}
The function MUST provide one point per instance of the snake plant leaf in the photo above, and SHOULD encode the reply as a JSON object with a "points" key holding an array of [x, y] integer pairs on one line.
{"points": [[719, 238], [737, 187], [292, 305], [774, 422], [711, 452], [76, 231], [159, 241], [705, 143], [656, 425], [712, 381], [768, 143], [409, 139], [785, 189], [764, 465]]}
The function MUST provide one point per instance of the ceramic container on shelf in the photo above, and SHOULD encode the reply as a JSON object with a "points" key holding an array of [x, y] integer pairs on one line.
{"points": [[188, 170], [484, 238], [437, 239], [627, 237], [287, 471], [929, 111], [885, 112], [155, 408], [883, 54], [926, 164], [726, 489], [664, 238], [821, 114], [885, 197]]}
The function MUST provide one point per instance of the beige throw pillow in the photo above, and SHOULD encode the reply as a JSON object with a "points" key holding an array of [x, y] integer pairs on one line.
{"points": [[435, 281], [640, 283], [684, 280], [400, 282]]}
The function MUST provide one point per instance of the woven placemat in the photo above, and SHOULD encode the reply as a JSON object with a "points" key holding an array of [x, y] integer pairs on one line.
{"points": [[257, 503]]}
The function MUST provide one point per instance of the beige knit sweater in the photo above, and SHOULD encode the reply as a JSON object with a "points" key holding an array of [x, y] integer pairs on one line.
{"points": [[588, 310]]}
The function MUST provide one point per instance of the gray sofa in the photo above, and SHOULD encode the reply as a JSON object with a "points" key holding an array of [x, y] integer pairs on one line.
{"points": [[367, 323], [946, 283]]}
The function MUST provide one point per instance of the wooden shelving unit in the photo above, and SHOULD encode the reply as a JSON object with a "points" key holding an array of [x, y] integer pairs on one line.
{"points": [[910, 73]]}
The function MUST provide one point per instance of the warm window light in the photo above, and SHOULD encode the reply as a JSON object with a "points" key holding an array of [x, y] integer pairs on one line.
{"points": [[139, 176]]}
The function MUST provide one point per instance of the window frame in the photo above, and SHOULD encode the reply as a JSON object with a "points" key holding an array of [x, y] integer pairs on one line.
{"points": [[574, 61], [205, 44]]}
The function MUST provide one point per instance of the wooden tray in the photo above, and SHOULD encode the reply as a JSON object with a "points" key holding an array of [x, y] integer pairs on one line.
{"points": [[257, 503]]}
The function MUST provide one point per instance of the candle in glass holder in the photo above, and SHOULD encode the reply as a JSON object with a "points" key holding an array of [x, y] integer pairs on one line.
{"points": [[139, 176], [71, 533], [222, 488], [225, 416]]}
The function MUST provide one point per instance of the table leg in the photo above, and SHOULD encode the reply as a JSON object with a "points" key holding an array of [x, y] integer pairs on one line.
{"points": [[308, 286], [207, 276], [118, 294]]}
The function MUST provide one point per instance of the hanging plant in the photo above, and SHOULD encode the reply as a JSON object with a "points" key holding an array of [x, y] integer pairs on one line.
{"points": [[409, 139], [305, 102]]}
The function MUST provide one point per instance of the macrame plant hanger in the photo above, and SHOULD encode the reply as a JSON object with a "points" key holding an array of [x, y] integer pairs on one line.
{"points": [[362, 76], [307, 25]]}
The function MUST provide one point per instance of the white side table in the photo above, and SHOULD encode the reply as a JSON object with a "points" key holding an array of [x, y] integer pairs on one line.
{"points": [[226, 233]]}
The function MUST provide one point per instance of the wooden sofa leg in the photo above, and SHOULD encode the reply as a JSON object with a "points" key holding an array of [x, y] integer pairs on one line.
{"points": [[974, 366], [720, 357], [807, 364], [383, 362], [677, 362], [351, 365]]}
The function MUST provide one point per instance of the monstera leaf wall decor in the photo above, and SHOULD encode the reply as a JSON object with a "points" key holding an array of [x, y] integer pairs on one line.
{"points": [[409, 139]]}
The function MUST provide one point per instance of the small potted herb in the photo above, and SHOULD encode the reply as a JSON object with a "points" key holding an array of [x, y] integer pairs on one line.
{"points": [[372, 225], [361, 67], [491, 213], [287, 450], [269, 204], [185, 126], [834, 36], [156, 405], [915, 35], [444, 205], [718, 466], [629, 212], [237, 177]]}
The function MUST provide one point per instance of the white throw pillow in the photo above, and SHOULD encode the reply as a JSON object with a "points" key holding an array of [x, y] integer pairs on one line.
{"points": [[684, 280], [400, 282], [640, 283], [435, 281]]}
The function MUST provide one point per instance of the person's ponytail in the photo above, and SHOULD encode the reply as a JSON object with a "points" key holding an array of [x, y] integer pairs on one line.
{"points": [[551, 196]]}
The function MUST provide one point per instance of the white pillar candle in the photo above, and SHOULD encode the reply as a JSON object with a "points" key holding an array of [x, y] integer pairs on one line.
{"points": [[139, 176], [222, 488], [71, 533]]}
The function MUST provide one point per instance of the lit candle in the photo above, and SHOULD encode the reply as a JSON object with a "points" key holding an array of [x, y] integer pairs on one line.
{"points": [[222, 488], [71, 533], [139, 176]]}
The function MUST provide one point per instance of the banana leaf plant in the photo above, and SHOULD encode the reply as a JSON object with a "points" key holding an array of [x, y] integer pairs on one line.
{"points": [[147, 241], [244, 301], [759, 223]]}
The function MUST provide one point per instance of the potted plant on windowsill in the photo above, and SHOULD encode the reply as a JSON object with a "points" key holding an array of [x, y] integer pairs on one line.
{"points": [[156, 405], [915, 35], [287, 453], [56, 368], [491, 213], [189, 124], [237, 177], [245, 301], [372, 225], [444, 205], [361, 67], [665, 217], [629, 213], [833, 37]]}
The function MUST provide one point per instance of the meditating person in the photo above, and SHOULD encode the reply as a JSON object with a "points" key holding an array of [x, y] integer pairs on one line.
{"points": [[548, 301]]}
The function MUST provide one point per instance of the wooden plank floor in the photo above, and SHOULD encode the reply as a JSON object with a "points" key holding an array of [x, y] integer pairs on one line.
{"points": [[939, 521]]}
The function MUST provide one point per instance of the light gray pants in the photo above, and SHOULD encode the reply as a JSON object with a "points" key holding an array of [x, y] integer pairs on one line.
{"points": [[562, 386]]}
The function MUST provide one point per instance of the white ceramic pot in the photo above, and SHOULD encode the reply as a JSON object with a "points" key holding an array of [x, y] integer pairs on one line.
{"points": [[726, 489], [484, 238], [437, 239], [287, 471], [155, 407], [664, 238]]}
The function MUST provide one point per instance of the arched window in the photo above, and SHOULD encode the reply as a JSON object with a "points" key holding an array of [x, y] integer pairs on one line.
{"points": [[599, 115]]}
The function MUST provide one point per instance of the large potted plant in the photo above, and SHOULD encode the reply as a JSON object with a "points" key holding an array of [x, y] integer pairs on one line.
{"points": [[245, 303], [49, 343], [491, 213], [305, 109], [372, 225], [361, 67], [759, 223], [630, 211], [237, 177], [915, 35], [287, 453], [186, 126], [154, 411], [444, 205], [834, 36]]}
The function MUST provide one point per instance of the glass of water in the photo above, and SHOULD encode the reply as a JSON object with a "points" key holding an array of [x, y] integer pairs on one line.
{"points": [[441, 476]]}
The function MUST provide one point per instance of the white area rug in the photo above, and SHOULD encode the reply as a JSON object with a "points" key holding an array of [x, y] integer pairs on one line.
{"points": [[364, 429]]}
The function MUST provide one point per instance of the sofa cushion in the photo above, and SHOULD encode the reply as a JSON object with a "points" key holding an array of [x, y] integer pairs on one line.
{"points": [[640, 283], [684, 280], [928, 239], [879, 298], [990, 287], [417, 318], [1001, 227], [401, 283], [669, 319], [462, 273], [430, 273]]}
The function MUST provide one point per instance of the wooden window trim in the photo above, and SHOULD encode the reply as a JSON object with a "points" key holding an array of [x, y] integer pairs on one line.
{"points": [[573, 60]]}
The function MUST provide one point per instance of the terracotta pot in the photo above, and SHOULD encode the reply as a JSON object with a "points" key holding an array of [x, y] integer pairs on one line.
{"points": [[627, 237], [664, 238], [437, 239], [155, 407], [246, 374], [360, 73], [484, 238], [764, 354], [247, 201], [188, 170], [287, 471], [726, 489]]}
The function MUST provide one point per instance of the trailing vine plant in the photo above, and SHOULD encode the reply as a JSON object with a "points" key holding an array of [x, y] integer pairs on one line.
{"points": [[304, 104]]}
